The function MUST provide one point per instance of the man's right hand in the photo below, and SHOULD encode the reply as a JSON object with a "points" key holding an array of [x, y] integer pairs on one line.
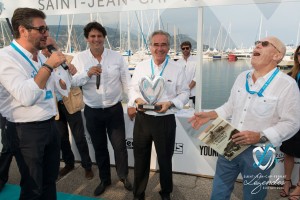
{"points": [[201, 118], [56, 59], [138, 102], [95, 70], [131, 111]]}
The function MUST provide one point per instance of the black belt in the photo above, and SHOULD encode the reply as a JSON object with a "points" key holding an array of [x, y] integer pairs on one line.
{"points": [[36, 122]]}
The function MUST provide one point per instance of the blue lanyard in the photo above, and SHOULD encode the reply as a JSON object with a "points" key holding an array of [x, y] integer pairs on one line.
{"points": [[163, 69], [298, 77], [24, 56], [259, 93]]}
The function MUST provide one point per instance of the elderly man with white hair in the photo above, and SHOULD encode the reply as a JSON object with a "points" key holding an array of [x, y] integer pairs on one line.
{"points": [[264, 107]]}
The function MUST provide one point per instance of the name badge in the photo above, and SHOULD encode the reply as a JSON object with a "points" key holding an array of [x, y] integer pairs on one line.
{"points": [[48, 95]]}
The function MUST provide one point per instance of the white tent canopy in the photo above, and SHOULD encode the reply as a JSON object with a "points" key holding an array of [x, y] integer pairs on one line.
{"points": [[59, 7], [64, 7]]}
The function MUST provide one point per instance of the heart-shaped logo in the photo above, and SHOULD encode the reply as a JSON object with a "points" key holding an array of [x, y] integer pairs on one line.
{"points": [[152, 88], [265, 155]]}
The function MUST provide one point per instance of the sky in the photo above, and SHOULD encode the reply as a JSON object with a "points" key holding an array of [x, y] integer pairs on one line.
{"points": [[278, 19]]}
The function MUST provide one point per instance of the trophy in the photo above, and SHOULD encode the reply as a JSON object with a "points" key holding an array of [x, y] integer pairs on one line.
{"points": [[151, 89]]}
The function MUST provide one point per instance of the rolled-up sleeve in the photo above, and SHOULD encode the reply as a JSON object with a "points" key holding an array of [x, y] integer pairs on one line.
{"points": [[289, 114]]}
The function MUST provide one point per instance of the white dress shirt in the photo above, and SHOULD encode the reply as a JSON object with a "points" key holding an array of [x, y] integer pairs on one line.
{"points": [[176, 86], [190, 70], [113, 82], [276, 114], [21, 98]]}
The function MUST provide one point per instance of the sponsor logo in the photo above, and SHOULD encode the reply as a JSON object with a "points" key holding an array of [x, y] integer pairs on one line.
{"points": [[264, 157], [178, 148], [129, 143], [207, 151]]}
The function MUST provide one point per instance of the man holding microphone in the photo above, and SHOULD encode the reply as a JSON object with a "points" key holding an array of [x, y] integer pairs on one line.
{"points": [[104, 77]]}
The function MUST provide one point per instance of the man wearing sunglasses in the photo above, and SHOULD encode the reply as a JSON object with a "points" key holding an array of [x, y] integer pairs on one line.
{"points": [[27, 82], [264, 107], [189, 63]]}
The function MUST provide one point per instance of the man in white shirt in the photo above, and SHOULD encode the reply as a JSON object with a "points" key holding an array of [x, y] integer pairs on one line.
{"points": [[158, 126], [27, 82], [264, 106], [104, 77], [189, 63]]}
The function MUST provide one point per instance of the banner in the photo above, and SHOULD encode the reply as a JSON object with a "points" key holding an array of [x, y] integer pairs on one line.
{"points": [[63, 7]]}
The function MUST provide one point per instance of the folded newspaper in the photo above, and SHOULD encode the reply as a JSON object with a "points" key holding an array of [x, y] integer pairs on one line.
{"points": [[218, 137]]}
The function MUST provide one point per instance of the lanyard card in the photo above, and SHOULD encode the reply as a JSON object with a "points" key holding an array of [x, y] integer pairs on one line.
{"points": [[48, 95]]}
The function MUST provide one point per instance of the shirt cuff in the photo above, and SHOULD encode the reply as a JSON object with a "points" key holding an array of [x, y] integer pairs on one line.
{"points": [[221, 112], [273, 136], [177, 103]]}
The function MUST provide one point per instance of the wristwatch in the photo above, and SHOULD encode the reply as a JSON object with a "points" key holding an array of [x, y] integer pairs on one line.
{"points": [[172, 104], [263, 139]]}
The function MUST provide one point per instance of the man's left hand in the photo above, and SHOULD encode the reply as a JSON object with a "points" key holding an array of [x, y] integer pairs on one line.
{"points": [[246, 137], [164, 106]]}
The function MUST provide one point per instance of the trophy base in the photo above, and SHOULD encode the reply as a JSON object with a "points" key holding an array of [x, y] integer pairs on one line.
{"points": [[150, 107]]}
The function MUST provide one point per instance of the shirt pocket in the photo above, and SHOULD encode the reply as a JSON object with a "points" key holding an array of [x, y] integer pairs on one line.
{"points": [[170, 85], [113, 71], [264, 107]]}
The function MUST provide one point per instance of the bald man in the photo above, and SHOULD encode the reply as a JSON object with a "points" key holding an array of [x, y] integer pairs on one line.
{"points": [[264, 106]]}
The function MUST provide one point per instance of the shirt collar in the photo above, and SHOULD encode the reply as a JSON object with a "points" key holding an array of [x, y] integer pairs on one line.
{"points": [[25, 51], [265, 77], [162, 64], [104, 54]]}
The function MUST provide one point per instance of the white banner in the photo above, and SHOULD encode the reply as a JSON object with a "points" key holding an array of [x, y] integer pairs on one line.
{"points": [[63, 7]]}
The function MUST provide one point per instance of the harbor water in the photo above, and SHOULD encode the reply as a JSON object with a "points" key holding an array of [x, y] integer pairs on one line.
{"points": [[217, 80]]}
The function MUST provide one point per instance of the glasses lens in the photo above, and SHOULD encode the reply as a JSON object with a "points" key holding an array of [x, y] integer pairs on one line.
{"points": [[257, 42], [298, 53], [43, 29], [265, 43], [185, 48]]}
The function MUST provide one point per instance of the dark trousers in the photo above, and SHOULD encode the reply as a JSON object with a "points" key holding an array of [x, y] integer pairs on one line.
{"points": [[110, 121], [161, 130], [36, 147], [193, 99], [76, 125], [6, 154]]}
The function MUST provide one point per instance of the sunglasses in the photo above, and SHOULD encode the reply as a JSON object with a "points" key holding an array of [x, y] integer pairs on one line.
{"points": [[298, 53], [265, 44], [185, 48], [41, 29]]}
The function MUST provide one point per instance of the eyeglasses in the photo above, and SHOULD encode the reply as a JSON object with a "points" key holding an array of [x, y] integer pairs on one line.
{"points": [[185, 48], [265, 44], [298, 53], [41, 29]]}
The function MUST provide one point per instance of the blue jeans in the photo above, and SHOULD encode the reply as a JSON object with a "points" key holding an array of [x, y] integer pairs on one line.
{"points": [[228, 171]]}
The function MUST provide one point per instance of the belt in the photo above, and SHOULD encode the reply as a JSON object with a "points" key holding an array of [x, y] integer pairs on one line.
{"points": [[36, 122]]}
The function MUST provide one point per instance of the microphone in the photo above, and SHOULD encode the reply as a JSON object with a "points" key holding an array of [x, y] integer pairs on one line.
{"points": [[98, 78], [52, 49]]}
